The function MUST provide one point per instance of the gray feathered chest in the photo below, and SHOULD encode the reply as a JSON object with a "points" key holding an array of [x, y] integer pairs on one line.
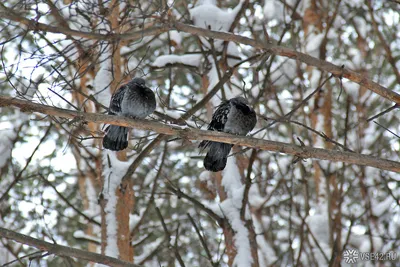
{"points": [[133, 99], [234, 116], [241, 119], [138, 103]]}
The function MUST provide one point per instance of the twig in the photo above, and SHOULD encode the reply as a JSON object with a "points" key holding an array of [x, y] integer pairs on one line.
{"points": [[63, 250], [194, 201], [383, 112], [153, 191], [168, 234], [203, 242], [69, 203], [19, 175], [377, 123]]}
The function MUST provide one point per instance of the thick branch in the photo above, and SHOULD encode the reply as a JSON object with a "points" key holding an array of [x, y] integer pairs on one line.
{"points": [[63, 250], [195, 134]]}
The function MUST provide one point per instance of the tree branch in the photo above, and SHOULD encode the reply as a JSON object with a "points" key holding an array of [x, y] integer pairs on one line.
{"points": [[337, 71], [63, 250], [195, 134], [7, 13], [171, 24]]}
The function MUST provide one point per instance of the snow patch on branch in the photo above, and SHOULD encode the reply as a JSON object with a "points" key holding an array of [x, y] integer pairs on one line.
{"points": [[79, 234], [190, 60], [209, 16], [113, 172], [231, 180], [104, 77], [273, 10]]}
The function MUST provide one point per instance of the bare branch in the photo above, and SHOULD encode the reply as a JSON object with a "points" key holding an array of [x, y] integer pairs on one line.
{"points": [[63, 250], [337, 71], [195, 134]]}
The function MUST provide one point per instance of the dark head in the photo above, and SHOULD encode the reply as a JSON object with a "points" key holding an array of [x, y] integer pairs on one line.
{"points": [[239, 100], [139, 82], [242, 104]]}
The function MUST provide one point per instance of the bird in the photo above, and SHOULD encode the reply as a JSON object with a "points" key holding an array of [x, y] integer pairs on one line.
{"points": [[133, 100], [233, 116]]}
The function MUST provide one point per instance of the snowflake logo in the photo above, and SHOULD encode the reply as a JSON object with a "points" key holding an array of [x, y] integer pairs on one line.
{"points": [[350, 255]]}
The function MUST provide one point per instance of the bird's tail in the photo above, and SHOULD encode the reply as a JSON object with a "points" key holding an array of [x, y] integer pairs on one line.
{"points": [[217, 156], [116, 138]]}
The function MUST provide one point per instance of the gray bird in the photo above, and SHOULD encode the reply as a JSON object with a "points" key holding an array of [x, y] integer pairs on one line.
{"points": [[232, 116], [134, 100]]}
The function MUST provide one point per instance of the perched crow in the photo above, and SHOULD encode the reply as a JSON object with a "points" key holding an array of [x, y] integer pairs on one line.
{"points": [[232, 116], [133, 100]]}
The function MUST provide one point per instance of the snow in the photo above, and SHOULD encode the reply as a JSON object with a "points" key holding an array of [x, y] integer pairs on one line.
{"points": [[213, 80], [305, 5], [103, 79], [176, 37], [93, 208], [354, 3], [351, 88], [361, 26], [266, 254], [255, 199], [205, 177], [314, 41], [233, 50], [363, 242], [190, 60], [379, 208], [357, 59], [319, 223], [314, 81], [231, 179], [134, 219], [230, 207], [112, 179], [8, 128], [283, 71], [273, 10], [82, 235], [208, 15]]}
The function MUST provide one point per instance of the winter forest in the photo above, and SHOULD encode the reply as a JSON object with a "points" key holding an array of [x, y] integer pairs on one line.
{"points": [[317, 177]]}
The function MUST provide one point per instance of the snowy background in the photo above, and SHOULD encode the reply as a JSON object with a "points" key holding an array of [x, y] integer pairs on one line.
{"points": [[301, 212]]}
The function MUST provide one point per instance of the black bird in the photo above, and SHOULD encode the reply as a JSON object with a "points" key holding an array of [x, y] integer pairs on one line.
{"points": [[134, 100], [232, 116]]}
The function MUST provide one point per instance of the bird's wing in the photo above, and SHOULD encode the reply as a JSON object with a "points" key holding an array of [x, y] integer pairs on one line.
{"points": [[220, 117], [116, 100], [218, 121]]}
